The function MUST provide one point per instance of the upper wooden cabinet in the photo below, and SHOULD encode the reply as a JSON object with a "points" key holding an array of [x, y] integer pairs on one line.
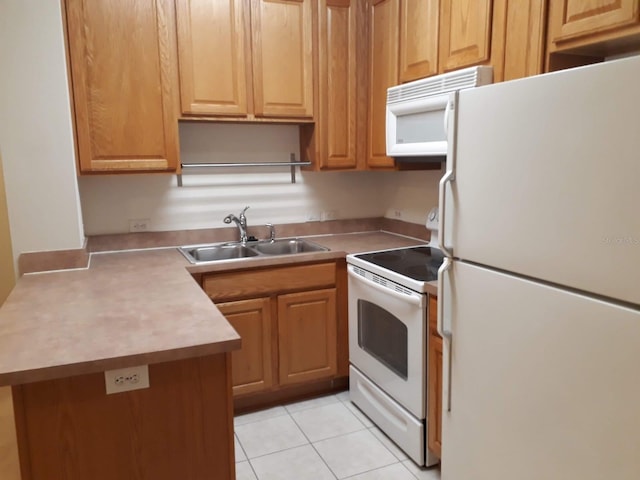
{"points": [[246, 57], [465, 37], [571, 19], [336, 141], [213, 49], [282, 52], [524, 38], [419, 29], [384, 38], [122, 66], [582, 32]]}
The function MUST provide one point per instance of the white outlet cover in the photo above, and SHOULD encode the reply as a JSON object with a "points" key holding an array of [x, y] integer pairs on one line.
{"points": [[127, 379]]}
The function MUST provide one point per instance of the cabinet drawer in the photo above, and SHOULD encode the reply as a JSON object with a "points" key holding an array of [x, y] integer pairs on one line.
{"points": [[253, 283]]}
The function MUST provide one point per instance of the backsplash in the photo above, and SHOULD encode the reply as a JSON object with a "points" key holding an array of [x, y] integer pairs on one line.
{"points": [[109, 202]]}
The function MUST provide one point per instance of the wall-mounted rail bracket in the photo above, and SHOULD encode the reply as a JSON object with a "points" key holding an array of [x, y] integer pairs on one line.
{"points": [[293, 164]]}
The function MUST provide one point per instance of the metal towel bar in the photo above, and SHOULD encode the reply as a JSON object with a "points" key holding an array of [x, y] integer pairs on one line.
{"points": [[293, 164]]}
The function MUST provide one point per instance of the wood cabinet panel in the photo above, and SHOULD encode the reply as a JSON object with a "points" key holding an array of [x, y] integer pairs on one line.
{"points": [[571, 19], [253, 283], [251, 365], [384, 38], [179, 427], [465, 35], [419, 30], [213, 43], [525, 38], [123, 80], [282, 51], [337, 122], [307, 336], [434, 387]]}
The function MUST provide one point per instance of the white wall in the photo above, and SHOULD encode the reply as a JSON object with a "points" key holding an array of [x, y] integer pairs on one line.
{"points": [[36, 141], [109, 202]]}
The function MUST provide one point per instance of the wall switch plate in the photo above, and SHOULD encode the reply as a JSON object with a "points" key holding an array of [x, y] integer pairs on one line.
{"points": [[139, 225], [126, 379]]}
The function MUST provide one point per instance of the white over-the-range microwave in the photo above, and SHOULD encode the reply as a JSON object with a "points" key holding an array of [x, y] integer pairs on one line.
{"points": [[421, 114]]}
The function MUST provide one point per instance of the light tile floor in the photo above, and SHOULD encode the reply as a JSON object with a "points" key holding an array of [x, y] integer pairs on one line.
{"points": [[326, 438]]}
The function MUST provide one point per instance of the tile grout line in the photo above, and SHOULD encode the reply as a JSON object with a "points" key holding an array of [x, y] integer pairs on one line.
{"points": [[315, 449]]}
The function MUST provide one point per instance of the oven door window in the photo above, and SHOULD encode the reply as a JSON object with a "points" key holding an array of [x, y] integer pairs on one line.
{"points": [[383, 336]]}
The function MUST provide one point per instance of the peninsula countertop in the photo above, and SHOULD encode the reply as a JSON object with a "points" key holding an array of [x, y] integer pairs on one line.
{"points": [[131, 308]]}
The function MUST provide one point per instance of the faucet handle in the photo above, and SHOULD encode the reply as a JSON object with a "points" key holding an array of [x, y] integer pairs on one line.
{"points": [[272, 232]]}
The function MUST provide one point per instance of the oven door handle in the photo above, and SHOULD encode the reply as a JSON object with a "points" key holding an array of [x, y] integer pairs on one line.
{"points": [[417, 299]]}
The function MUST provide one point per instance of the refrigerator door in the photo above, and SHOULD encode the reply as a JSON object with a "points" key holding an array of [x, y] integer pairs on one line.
{"points": [[544, 382], [546, 178]]}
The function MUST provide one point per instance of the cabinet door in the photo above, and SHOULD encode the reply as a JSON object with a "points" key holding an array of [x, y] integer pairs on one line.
{"points": [[418, 39], [465, 33], [569, 19], [524, 41], [337, 83], [212, 51], [384, 19], [307, 336], [282, 49], [124, 87], [251, 365], [434, 387]]}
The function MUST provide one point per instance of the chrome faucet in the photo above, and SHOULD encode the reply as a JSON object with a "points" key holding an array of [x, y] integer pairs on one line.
{"points": [[240, 222]]}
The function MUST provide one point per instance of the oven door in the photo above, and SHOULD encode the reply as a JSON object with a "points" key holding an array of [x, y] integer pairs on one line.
{"points": [[387, 337]]}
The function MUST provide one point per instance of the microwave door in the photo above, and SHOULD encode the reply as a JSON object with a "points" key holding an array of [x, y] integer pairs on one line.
{"points": [[417, 127]]}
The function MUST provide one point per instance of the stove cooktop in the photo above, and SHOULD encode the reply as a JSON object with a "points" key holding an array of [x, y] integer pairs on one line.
{"points": [[417, 263]]}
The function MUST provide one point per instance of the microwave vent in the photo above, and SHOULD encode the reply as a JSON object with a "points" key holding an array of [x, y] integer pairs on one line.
{"points": [[449, 82]]}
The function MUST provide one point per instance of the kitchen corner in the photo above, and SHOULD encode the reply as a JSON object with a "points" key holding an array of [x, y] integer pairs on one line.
{"points": [[60, 330]]}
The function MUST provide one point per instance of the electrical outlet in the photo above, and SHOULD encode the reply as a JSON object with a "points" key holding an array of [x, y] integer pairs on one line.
{"points": [[313, 216], [139, 225], [397, 213], [125, 379], [328, 215]]}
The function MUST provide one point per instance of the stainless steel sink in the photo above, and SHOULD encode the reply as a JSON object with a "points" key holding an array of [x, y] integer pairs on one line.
{"points": [[235, 250], [217, 252], [286, 246]]}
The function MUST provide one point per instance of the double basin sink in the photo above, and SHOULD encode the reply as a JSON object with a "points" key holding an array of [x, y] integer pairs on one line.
{"points": [[237, 250]]}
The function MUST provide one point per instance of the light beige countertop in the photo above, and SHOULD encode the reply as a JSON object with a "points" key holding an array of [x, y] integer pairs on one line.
{"points": [[132, 308]]}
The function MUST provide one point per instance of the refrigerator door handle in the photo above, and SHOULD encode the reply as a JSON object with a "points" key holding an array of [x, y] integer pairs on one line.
{"points": [[447, 109], [447, 178], [444, 330]]}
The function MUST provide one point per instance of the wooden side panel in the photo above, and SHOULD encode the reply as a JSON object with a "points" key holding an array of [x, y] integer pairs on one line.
{"points": [[212, 50], [254, 283], [434, 388], [384, 19], [122, 55], [525, 38], [465, 33], [307, 336], [9, 467], [337, 83], [180, 427], [251, 365], [282, 48], [571, 19], [419, 30]]}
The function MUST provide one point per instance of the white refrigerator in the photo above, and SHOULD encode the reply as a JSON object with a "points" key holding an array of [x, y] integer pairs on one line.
{"points": [[540, 295]]}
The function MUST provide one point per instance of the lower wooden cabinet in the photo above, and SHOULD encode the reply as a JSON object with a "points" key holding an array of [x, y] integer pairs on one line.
{"points": [[288, 319], [434, 413], [307, 336], [251, 366]]}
